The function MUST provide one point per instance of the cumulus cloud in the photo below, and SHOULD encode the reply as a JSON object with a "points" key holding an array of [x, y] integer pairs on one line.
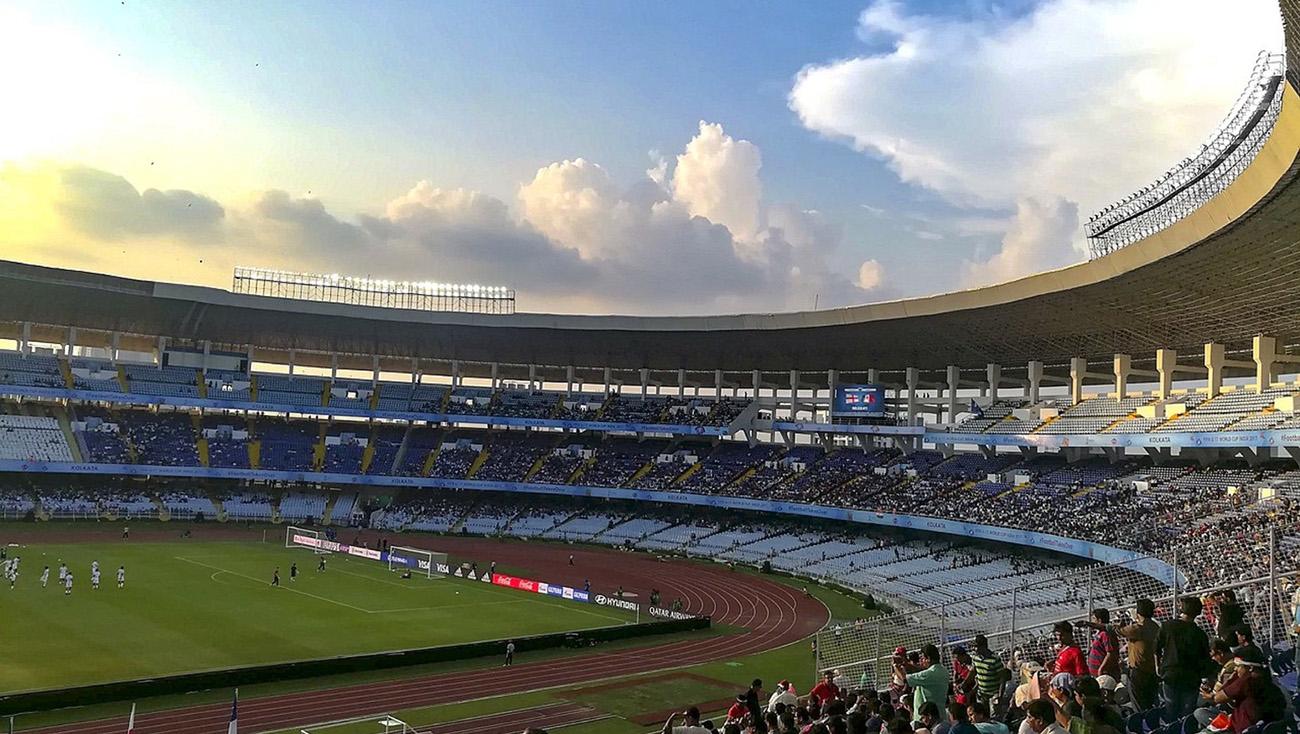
{"points": [[870, 275], [576, 241], [1078, 99], [1039, 237], [108, 207], [717, 178]]}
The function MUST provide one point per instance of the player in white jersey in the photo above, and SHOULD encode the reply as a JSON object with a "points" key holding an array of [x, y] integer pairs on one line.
{"points": [[63, 571], [67, 584], [45, 577], [13, 576], [94, 566], [121, 577], [94, 579]]}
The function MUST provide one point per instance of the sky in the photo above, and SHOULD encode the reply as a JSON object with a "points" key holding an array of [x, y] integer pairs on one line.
{"points": [[603, 157]]}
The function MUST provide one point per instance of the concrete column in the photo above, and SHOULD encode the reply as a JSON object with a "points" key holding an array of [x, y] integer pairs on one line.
{"points": [[374, 370], [1166, 362], [758, 382], [681, 383], [334, 366], [207, 352], [532, 377], [292, 355], [455, 373], [568, 374], [496, 372], [913, 379], [25, 339], [609, 379], [873, 376], [112, 350], [1034, 382], [1264, 352], [247, 370], [1123, 365], [1214, 359], [794, 393], [1078, 369], [717, 384], [72, 340], [994, 379], [415, 371], [645, 383], [954, 381]]}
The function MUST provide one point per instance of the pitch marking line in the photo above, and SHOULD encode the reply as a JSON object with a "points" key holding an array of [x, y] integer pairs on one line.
{"points": [[286, 588]]}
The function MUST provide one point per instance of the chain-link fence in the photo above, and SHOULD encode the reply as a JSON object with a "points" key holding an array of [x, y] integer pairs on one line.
{"points": [[1017, 615]]}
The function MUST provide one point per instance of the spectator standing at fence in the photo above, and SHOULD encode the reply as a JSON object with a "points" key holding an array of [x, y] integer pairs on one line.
{"points": [[1228, 615], [1142, 635], [1103, 650], [963, 676], [1183, 651], [753, 699], [929, 683], [1070, 658], [825, 690], [990, 673], [510, 653]]}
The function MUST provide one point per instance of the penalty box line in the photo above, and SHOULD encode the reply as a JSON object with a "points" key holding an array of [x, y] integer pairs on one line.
{"points": [[286, 588]]}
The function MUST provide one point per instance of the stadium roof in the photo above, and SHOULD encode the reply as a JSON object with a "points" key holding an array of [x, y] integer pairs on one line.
{"points": [[1229, 270]]}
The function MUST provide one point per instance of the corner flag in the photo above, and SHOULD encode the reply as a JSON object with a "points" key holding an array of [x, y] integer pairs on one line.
{"points": [[130, 722], [234, 715]]}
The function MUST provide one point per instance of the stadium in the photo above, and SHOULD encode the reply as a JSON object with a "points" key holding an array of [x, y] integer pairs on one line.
{"points": [[373, 506]]}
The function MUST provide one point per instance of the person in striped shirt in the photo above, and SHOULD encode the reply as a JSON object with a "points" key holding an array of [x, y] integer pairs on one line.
{"points": [[1103, 651], [990, 673]]}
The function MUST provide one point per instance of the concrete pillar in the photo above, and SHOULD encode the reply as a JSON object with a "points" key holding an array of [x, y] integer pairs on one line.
{"points": [[455, 373], [1214, 359], [292, 356], [954, 381], [1034, 383], [1166, 362], [681, 383], [72, 341], [568, 376], [162, 342], [1264, 352], [1078, 369], [532, 377], [758, 382], [609, 379], [113, 345], [334, 366], [794, 393], [1123, 365], [717, 384], [873, 376], [994, 379], [496, 372], [415, 371], [374, 370], [913, 379], [645, 383]]}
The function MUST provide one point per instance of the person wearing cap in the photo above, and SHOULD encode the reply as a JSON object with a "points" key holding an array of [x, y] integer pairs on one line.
{"points": [[737, 712], [1255, 698], [782, 694], [1141, 636], [690, 719], [1110, 691], [1183, 651]]}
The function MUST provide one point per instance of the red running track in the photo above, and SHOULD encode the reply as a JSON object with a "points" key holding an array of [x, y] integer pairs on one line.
{"points": [[772, 614]]}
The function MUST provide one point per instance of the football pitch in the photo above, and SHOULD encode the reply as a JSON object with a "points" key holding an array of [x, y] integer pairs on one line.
{"points": [[191, 606]]}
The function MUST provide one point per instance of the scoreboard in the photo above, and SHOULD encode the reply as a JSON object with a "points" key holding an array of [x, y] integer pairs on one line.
{"points": [[858, 401]]}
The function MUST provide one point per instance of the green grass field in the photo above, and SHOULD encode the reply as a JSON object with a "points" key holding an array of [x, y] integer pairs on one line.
{"points": [[191, 606]]}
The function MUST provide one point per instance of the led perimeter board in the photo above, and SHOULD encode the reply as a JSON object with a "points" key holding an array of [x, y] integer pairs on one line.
{"points": [[859, 401]]}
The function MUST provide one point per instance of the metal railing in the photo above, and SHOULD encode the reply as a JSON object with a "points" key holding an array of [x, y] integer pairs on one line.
{"points": [[1018, 619], [1194, 181]]}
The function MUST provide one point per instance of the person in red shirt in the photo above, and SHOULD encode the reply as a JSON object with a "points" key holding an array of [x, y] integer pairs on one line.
{"points": [[738, 709], [826, 690], [1070, 659]]}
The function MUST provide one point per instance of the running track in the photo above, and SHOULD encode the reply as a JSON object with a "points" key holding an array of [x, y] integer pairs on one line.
{"points": [[771, 613]]}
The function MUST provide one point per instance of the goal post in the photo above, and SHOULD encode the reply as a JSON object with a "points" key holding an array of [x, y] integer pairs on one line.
{"points": [[381, 724], [417, 560], [296, 537]]}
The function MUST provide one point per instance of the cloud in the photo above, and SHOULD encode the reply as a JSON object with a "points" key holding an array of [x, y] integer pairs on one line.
{"points": [[108, 207], [717, 178], [1040, 236], [1078, 99], [870, 275]]}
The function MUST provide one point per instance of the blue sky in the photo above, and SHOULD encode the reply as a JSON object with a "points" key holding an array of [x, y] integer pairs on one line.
{"points": [[346, 106]]}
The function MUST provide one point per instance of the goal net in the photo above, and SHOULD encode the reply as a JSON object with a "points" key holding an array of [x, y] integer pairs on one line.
{"points": [[418, 561], [295, 537], [381, 724]]}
